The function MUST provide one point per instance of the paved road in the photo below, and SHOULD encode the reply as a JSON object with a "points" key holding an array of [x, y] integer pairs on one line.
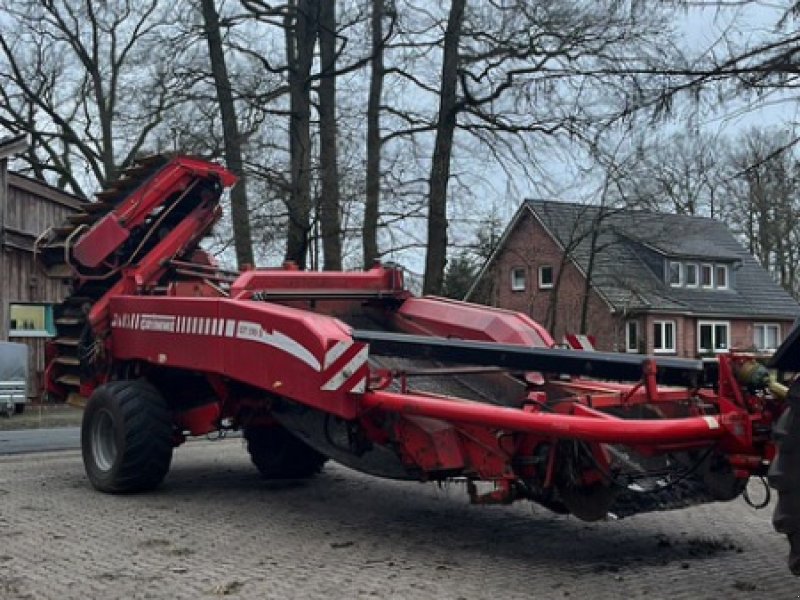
{"points": [[39, 440], [216, 529]]}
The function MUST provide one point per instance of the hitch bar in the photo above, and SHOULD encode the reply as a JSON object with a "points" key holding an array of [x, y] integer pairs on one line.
{"points": [[602, 365]]}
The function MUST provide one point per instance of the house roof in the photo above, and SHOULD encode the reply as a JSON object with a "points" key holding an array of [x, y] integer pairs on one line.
{"points": [[625, 240]]}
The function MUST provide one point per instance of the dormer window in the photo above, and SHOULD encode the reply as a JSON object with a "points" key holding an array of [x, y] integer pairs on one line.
{"points": [[721, 272], [691, 275], [697, 275], [707, 276], [675, 274]]}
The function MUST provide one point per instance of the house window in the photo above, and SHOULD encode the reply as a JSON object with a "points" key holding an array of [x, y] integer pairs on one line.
{"points": [[632, 336], [545, 277], [721, 272], [664, 336], [707, 276], [31, 320], [675, 272], [766, 336], [713, 336], [518, 279], [691, 275]]}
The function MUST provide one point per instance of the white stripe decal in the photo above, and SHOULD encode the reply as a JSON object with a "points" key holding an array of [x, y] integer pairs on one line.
{"points": [[335, 382], [360, 387], [334, 353], [230, 327], [247, 330]]}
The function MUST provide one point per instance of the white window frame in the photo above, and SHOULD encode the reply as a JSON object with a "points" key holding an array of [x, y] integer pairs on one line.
{"points": [[727, 277], [764, 326], [663, 326], [546, 286], [671, 264], [710, 284], [516, 286], [713, 325], [696, 275], [628, 326]]}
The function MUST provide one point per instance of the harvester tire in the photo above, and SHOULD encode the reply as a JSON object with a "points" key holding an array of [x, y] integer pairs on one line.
{"points": [[784, 476], [126, 437], [277, 454]]}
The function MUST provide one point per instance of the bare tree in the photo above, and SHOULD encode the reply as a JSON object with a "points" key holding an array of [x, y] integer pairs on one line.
{"points": [[436, 256], [240, 213], [762, 202], [72, 77], [301, 36], [373, 164], [681, 174], [329, 203]]}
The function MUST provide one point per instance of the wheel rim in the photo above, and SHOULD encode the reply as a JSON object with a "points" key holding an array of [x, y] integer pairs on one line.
{"points": [[104, 444]]}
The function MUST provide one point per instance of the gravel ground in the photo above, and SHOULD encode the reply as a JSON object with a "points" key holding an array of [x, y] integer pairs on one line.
{"points": [[216, 529]]}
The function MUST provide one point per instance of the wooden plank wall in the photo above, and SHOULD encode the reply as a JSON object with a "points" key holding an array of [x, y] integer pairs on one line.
{"points": [[27, 216]]}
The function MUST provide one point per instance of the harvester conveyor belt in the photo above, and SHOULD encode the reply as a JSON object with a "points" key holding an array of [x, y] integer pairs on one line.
{"points": [[603, 365]]}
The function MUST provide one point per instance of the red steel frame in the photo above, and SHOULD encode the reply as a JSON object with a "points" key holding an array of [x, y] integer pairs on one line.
{"points": [[298, 355]]}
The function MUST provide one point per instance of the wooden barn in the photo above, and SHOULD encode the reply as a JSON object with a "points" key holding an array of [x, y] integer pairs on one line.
{"points": [[27, 208]]}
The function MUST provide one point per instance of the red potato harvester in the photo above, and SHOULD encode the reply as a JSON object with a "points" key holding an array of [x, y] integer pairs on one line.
{"points": [[350, 366]]}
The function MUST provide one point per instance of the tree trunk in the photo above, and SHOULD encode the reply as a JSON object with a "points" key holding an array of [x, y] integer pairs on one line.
{"points": [[330, 221], [587, 282], [436, 257], [240, 214], [551, 315], [369, 235], [300, 41]]}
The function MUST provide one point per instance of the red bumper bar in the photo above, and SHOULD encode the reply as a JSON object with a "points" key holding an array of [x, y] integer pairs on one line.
{"points": [[590, 429]]}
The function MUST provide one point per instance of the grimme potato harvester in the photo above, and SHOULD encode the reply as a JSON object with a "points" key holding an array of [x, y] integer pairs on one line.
{"points": [[350, 366]]}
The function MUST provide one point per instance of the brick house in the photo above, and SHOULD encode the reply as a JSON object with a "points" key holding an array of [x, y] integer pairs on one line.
{"points": [[638, 281]]}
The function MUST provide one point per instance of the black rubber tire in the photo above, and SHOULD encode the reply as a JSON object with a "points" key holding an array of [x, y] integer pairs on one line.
{"points": [[126, 437], [19, 408], [784, 476], [277, 454]]}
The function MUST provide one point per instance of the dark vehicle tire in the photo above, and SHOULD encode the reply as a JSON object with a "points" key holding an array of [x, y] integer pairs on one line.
{"points": [[126, 437], [19, 408], [280, 455]]}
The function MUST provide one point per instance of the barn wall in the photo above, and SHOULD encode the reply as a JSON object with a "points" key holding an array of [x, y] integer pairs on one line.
{"points": [[26, 215]]}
